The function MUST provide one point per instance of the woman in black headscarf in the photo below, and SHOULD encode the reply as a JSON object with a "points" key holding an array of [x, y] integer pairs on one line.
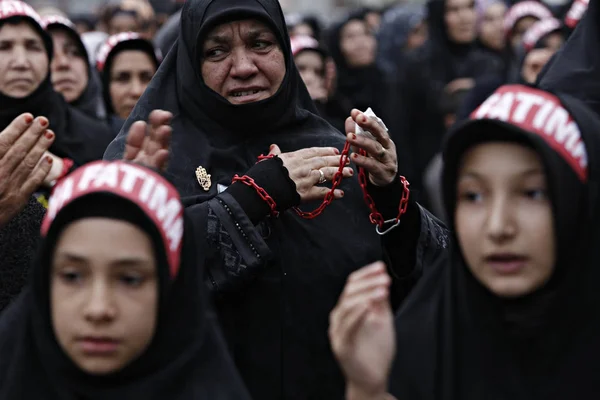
{"points": [[540, 42], [127, 62], [25, 86], [116, 307], [511, 311], [450, 54], [73, 75], [275, 278]]}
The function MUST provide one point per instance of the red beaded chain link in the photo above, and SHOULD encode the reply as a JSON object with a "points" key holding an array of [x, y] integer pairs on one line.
{"points": [[375, 217]]}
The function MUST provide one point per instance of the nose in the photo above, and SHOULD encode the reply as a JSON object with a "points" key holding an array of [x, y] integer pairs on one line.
{"points": [[100, 306], [19, 56], [501, 224], [60, 61], [243, 66], [137, 88]]}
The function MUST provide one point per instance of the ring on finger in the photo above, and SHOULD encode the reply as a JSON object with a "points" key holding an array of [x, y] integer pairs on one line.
{"points": [[322, 178]]}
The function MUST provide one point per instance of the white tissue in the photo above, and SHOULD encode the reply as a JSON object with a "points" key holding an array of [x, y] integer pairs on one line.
{"points": [[360, 131]]}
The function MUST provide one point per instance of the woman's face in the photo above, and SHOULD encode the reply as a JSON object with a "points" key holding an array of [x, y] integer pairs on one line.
{"points": [[23, 60], [358, 44], [492, 26], [521, 26], [123, 22], [69, 67], [504, 219], [417, 36], [460, 19], [554, 41], [242, 61], [311, 66], [104, 293], [534, 62], [131, 72]]}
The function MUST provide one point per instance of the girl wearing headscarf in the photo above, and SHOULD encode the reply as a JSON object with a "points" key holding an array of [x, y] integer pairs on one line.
{"points": [[73, 75], [25, 86], [511, 310], [275, 271], [540, 43], [492, 38], [116, 307], [127, 62]]}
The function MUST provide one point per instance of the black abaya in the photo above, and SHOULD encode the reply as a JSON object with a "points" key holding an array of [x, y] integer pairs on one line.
{"points": [[276, 281]]}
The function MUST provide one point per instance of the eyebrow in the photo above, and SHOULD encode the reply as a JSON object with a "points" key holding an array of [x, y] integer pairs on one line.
{"points": [[223, 38], [120, 263], [525, 173]]}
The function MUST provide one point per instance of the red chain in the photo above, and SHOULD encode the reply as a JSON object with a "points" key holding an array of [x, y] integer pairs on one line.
{"points": [[375, 217], [246, 180]]}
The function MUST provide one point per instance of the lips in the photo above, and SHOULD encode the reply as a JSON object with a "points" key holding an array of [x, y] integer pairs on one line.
{"points": [[99, 346], [506, 263], [244, 93]]}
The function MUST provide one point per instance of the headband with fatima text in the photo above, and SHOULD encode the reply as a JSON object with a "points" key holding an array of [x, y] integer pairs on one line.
{"points": [[152, 193]]}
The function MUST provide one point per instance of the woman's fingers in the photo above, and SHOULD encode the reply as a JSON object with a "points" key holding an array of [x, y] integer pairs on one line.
{"points": [[329, 173], [343, 327], [37, 176], [135, 140], [13, 131], [18, 151], [372, 147], [373, 126], [32, 160], [319, 193]]}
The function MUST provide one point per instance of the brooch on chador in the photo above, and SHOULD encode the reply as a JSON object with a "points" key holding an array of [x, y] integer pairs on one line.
{"points": [[203, 178]]}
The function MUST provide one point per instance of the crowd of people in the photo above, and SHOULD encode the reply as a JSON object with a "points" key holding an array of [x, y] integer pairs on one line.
{"points": [[235, 203]]}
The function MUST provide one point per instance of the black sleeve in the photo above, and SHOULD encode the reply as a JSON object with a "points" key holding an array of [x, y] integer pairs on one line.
{"points": [[18, 243], [413, 245]]}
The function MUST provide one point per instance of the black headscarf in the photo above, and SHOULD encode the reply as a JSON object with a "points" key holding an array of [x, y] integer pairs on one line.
{"points": [[186, 358], [456, 340], [78, 136], [277, 335], [89, 102], [106, 55]]}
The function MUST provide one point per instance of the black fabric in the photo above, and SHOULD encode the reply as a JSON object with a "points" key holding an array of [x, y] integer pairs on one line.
{"points": [[18, 242], [276, 320], [185, 360], [273, 177], [90, 101], [78, 137], [573, 70], [167, 34], [458, 341]]}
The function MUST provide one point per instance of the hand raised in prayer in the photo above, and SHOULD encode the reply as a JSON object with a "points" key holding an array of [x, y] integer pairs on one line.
{"points": [[304, 165], [381, 161], [23, 166], [361, 332], [148, 144]]}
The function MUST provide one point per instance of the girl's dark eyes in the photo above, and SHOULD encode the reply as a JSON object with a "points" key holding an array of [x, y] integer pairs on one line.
{"points": [[71, 277], [471, 196], [132, 280], [535, 194]]}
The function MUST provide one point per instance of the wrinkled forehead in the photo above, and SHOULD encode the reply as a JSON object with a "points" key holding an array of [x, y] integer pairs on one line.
{"points": [[247, 27]]}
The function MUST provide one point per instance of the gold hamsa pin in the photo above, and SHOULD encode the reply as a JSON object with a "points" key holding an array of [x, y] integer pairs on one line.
{"points": [[203, 178]]}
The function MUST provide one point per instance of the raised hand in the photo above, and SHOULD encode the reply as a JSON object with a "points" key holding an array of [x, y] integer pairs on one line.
{"points": [[23, 166], [381, 161], [304, 165], [362, 334], [148, 143]]}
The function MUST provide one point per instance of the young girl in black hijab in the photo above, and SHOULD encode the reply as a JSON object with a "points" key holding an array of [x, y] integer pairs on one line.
{"points": [[73, 75], [127, 62], [511, 310], [25, 86], [275, 267], [116, 307]]}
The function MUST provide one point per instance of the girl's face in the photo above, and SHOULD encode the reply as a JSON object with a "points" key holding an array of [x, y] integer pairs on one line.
{"points": [[103, 293], [504, 219], [69, 67]]}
